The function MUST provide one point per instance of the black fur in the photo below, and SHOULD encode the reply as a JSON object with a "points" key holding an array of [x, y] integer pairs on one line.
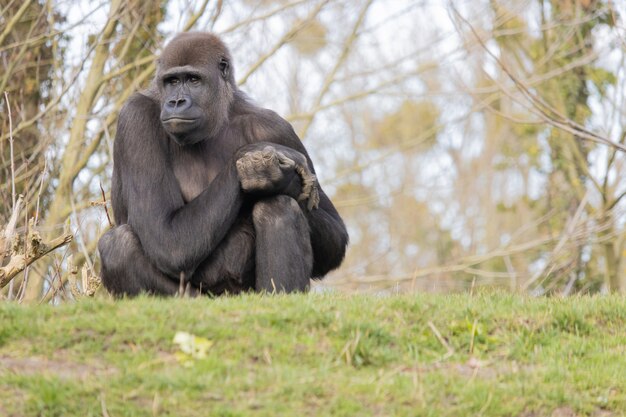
{"points": [[208, 184]]}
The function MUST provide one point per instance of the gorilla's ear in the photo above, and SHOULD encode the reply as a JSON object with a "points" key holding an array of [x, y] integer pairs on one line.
{"points": [[224, 68]]}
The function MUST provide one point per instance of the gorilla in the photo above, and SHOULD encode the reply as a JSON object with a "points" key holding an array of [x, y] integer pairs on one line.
{"points": [[210, 189]]}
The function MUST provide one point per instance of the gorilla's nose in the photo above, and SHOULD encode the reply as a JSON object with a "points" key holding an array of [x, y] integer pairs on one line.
{"points": [[178, 104]]}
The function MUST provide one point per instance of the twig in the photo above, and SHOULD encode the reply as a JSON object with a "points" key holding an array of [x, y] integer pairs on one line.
{"points": [[9, 230], [53, 289], [181, 285], [104, 200], [195, 16], [43, 175], [287, 37], [464, 263], [34, 41], [474, 328], [217, 12], [565, 237], [330, 78], [103, 406], [14, 20], [28, 227], [441, 340], [263, 16], [81, 242], [54, 102], [6, 98], [57, 284], [542, 108], [155, 404]]}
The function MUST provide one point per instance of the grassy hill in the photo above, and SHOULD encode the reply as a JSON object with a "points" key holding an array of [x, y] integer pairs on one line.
{"points": [[491, 354]]}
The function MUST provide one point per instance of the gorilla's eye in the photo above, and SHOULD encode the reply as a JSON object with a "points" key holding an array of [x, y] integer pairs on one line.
{"points": [[223, 65], [194, 79], [171, 81]]}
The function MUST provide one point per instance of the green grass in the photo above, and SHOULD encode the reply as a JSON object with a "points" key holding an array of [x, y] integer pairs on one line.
{"points": [[491, 354]]}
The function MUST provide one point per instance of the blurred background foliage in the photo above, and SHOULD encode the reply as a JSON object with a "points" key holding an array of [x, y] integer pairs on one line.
{"points": [[465, 143]]}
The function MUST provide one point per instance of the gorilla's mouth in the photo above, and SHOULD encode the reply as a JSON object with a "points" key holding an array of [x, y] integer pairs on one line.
{"points": [[179, 124], [176, 120]]}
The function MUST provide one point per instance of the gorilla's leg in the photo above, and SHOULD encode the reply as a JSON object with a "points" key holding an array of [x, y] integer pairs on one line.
{"points": [[125, 268], [230, 268], [284, 258]]}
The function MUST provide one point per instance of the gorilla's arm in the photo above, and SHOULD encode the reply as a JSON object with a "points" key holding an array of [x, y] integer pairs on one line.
{"points": [[174, 235], [329, 236], [266, 168]]}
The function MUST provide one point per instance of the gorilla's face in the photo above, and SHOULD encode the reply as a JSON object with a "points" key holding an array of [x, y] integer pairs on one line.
{"points": [[185, 100], [195, 93]]}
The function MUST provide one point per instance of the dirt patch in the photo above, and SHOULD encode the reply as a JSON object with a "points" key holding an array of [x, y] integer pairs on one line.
{"points": [[60, 368], [563, 412], [566, 412], [475, 368], [603, 413]]}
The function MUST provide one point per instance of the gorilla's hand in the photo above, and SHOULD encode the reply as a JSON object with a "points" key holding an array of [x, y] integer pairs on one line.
{"points": [[273, 168]]}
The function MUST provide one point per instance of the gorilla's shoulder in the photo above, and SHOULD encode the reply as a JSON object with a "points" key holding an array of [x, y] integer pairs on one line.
{"points": [[136, 120], [267, 118], [146, 96], [139, 107], [265, 125], [140, 101]]}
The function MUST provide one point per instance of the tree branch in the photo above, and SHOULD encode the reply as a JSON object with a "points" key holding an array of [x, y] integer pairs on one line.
{"points": [[35, 249]]}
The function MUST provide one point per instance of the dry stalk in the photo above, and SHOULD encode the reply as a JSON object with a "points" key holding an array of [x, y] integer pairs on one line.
{"points": [[6, 98], [104, 203], [7, 236], [442, 340]]}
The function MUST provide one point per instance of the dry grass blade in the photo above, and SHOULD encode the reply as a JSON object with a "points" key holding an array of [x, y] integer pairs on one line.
{"points": [[442, 340]]}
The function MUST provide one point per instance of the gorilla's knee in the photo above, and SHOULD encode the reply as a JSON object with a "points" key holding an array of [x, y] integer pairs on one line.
{"points": [[106, 244], [117, 243], [284, 256], [117, 249], [278, 211]]}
